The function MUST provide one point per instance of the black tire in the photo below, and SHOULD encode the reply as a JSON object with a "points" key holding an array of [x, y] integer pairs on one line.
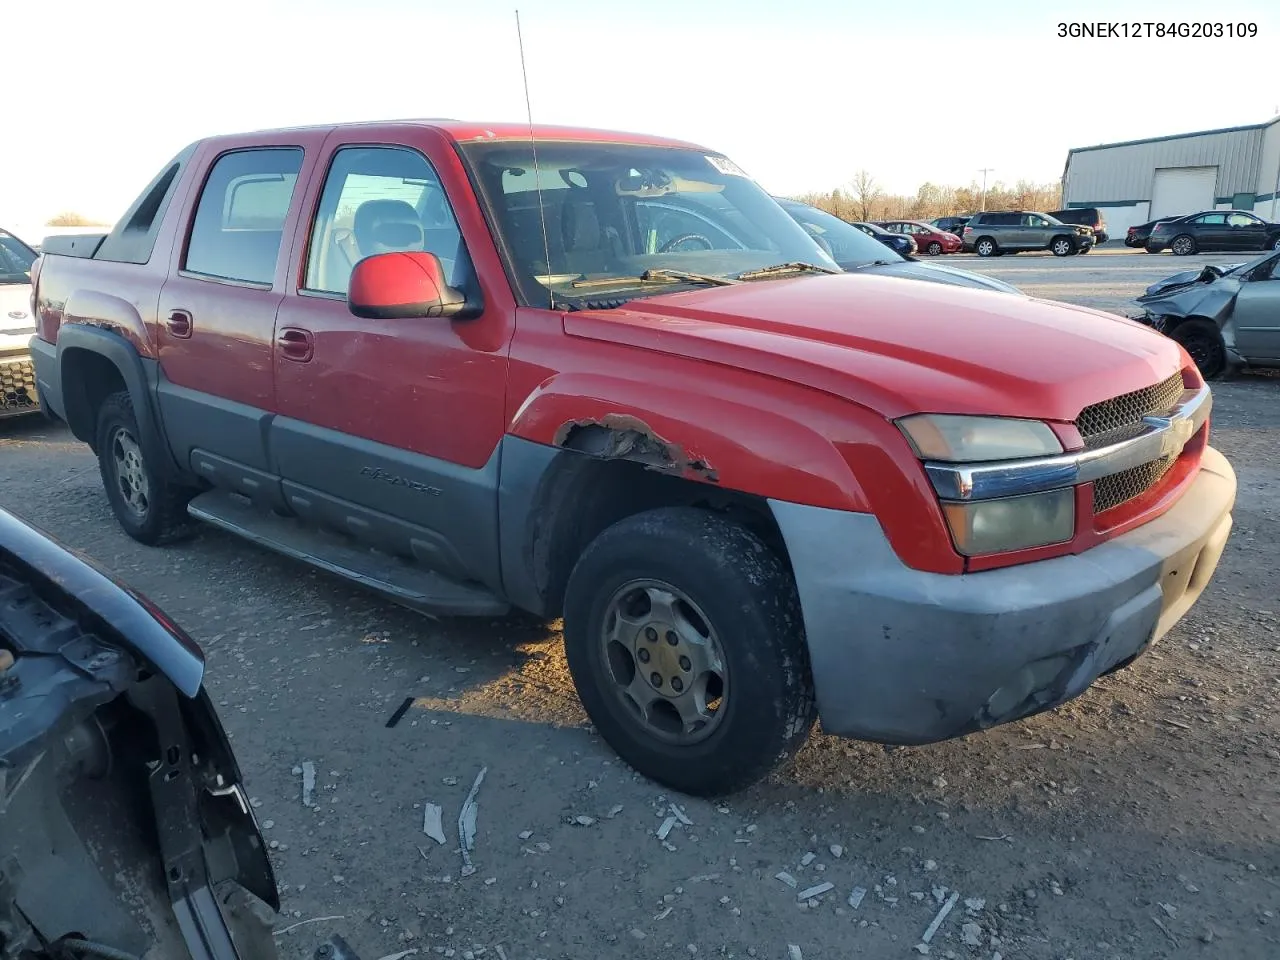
{"points": [[1274, 243], [934, 249], [985, 247], [747, 597], [157, 516], [1183, 245], [1203, 341], [1062, 246]]}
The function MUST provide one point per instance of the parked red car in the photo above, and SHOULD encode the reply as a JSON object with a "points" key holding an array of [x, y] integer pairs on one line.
{"points": [[929, 239]]}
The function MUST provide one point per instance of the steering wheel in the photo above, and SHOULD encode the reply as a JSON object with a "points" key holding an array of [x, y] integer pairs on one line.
{"points": [[684, 238]]}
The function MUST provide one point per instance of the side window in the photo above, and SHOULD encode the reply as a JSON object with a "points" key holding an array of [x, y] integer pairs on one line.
{"points": [[381, 200], [1241, 220], [239, 222]]}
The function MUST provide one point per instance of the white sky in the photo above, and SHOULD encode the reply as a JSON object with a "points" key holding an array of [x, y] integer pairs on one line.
{"points": [[801, 94]]}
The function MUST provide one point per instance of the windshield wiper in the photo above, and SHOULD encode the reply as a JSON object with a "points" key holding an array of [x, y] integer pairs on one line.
{"points": [[659, 275], [873, 263], [793, 266]]}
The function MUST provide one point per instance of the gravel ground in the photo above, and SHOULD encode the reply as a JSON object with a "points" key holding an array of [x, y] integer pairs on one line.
{"points": [[1139, 821]]}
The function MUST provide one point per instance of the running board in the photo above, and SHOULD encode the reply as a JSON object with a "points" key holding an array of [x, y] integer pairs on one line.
{"points": [[404, 583]]}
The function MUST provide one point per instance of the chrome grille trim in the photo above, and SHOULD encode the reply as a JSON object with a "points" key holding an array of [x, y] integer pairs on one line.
{"points": [[1160, 437]]}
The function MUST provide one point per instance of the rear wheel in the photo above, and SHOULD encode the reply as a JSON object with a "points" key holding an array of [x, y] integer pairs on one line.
{"points": [[934, 249], [986, 247], [1203, 341], [1062, 246], [151, 509], [1183, 245], [685, 639]]}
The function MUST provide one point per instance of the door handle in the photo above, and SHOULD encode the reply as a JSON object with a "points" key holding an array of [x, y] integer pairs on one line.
{"points": [[296, 344], [179, 324]]}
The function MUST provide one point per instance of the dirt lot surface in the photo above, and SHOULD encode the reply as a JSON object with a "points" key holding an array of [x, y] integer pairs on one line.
{"points": [[1139, 821]]}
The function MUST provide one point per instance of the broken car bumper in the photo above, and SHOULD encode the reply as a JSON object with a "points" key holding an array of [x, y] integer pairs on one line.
{"points": [[908, 657]]}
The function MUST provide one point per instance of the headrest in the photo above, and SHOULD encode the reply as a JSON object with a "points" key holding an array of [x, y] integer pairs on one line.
{"points": [[579, 226], [385, 225]]}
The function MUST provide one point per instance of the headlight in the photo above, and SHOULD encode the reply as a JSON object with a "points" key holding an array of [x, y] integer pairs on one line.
{"points": [[1012, 523], [961, 439]]}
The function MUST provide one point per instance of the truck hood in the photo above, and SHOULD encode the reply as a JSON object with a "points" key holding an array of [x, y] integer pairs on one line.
{"points": [[16, 322], [900, 346], [937, 273]]}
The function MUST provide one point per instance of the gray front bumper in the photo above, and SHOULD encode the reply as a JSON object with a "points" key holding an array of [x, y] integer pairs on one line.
{"points": [[903, 656]]}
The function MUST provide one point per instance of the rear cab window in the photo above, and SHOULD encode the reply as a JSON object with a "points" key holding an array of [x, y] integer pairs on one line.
{"points": [[238, 228]]}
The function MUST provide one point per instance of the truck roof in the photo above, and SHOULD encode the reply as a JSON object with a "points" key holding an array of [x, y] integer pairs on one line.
{"points": [[463, 130]]}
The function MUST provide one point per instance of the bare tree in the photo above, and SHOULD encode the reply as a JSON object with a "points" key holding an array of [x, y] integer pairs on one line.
{"points": [[71, 219], [865, 193]]}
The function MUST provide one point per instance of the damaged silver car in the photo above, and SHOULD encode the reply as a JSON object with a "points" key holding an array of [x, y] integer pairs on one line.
{"points": [[1226, 317]]}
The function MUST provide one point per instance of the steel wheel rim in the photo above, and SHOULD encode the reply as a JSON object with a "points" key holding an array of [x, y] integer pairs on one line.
{"points": [[1204, 350], [663, 661], [131, 475], [1182, 246]]}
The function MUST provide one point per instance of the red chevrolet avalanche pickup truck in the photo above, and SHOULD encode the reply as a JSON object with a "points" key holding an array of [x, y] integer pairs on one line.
{"points": [[605, 377]]}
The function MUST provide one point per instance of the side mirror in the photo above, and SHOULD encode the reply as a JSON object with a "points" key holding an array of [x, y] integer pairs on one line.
{"points": [[388, 286]]}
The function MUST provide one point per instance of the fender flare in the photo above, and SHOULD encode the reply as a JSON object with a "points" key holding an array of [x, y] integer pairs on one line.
{"points": [[111, 345]]}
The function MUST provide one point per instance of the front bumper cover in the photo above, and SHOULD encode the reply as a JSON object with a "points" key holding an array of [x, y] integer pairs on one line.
{"points": [[907, 657]]}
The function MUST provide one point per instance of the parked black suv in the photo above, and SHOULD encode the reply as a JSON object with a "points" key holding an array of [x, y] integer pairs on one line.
{"points": [[993, 234], [950, 224], [1090, 217]]}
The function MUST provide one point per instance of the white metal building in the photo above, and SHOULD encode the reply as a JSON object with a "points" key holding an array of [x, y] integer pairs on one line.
{"points": [[1236, 168]]}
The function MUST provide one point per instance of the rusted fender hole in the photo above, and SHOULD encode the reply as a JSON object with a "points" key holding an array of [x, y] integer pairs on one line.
{"points": [[618, 436]]}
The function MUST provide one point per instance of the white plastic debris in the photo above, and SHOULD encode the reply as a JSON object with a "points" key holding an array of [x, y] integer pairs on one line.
{"points": [[681, 815], [856, 897], [807, 859], [942, 915], [667, 826], [467, 824], [308, 783], [433, 822], [786, 878], [815, 891]]}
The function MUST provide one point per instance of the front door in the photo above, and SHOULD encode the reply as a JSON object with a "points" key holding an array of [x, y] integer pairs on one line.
{"points": [[1257, 313], [216, 313], [389, 429], [1035, 232], [1211, 232], [1246, 232]]}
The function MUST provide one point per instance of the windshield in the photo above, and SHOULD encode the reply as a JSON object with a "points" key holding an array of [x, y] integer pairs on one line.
{"points": [[16, 259], [615, 211], [850, 246]]}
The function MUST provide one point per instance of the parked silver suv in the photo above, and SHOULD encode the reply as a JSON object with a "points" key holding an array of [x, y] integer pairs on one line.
{"points": [[1012, 231]]}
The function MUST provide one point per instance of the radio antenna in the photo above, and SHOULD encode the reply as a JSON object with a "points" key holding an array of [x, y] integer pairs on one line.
{"points": [[537, 172]]}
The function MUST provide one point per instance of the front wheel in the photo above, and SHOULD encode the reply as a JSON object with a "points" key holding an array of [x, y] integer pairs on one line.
{"points": [[934, 249], [1275, 243], [1203, 341], [1062, 247], [149, 508], [686, 643]]}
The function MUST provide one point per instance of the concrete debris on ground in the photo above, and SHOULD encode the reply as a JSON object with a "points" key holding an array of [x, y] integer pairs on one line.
{"points": [[837, 851], [971, 934], [815, 891], [308, 771], [942, 915], [786, 878], [667, 826], [467, 824], [856, 896], [681, 815], [793, 952], [614, 811], [975, 904], [433, 822], [807, 859], [584, 821]]}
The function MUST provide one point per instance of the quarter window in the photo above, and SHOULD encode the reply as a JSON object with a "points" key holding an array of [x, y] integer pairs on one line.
{"points": [[239, 222]]}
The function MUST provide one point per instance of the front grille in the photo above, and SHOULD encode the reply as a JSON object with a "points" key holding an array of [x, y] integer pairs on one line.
{"points": [[1124, 486], [17, 385], [1120, 418]]}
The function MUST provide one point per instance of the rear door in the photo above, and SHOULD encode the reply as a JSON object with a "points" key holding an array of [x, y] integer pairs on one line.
{"points": [[1257, 313], [217, 314], [1211, 231]]}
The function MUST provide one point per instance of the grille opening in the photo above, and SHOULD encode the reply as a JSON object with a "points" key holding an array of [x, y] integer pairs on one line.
{"points": [[1120, 418], [17, 385], [1120, 488]]}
